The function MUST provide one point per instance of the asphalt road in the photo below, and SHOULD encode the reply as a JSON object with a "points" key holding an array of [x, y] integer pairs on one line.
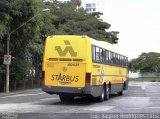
{"points": [[142, 97]]}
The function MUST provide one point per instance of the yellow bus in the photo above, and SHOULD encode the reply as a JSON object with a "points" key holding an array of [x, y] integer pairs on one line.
{"points": [[82, 66]]}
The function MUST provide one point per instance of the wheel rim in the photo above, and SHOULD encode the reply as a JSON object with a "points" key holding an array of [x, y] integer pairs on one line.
{"points": [[107, 93], [102, 95]]}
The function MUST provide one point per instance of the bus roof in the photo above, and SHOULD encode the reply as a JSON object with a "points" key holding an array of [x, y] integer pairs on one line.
{"points": [[102, 44]]}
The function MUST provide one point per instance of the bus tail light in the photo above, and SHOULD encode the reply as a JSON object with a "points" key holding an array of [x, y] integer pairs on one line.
{"points": [[43, 75], [88, 77]]}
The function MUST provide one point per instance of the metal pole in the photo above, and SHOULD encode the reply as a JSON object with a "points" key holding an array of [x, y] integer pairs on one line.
{"points": [[8, 40], [7, 66]]}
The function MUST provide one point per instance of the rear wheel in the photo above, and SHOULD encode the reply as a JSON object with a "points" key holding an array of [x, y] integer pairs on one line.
{"points": [[102, 97], [66, 98], [120, 93], [107, 93]]}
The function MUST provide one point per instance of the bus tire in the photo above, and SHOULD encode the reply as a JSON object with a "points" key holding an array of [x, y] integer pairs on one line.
{"points": [[66, 98], [120, 93], [101, 98], [107, 93]]}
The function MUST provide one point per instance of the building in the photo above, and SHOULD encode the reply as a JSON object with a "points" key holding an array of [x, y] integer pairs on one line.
{"points": [[90, 5], [57, 0], [63, 0], [93, 5]]}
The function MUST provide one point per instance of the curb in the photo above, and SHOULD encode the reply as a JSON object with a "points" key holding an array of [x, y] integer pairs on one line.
{"points": [[19, 92]]}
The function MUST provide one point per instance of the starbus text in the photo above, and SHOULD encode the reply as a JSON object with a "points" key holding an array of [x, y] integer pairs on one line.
{"points": [[67, 78]]}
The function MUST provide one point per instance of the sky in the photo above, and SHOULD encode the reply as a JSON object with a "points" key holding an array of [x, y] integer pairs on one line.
{"points": [[138, 22]]}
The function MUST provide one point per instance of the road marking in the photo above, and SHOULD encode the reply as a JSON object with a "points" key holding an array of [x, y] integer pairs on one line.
{"points": [[153, 107], [23, 95], [143, 87], [99, 108], [20, 108], [48, 99]]}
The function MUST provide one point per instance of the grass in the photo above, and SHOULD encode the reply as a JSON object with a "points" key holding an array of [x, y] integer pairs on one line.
{"points": [[150, 79]]}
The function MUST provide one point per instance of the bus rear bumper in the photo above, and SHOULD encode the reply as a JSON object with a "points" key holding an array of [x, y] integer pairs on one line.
{"points": [[88, 90], [70, 90]]}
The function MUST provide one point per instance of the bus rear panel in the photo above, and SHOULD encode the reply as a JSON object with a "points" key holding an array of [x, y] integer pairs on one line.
{"points": [[64, 65]]}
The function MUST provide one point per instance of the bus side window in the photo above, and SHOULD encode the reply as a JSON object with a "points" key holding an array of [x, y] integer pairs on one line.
{"points": [[97, 54], [117, 56], [93, 53], [101, 55], [118, 59], [107, 56], [104, 56], [125, 61], [121, 60], [114, 58], [111, 58]]}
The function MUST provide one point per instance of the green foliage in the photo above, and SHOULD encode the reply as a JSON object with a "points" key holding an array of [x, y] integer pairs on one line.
{"points": [[4, 17], [25, 42], [146, 62], [21, 66], [14, 13], [70, 19]]}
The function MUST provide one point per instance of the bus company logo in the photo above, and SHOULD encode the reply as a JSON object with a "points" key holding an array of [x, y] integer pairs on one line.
{"points": [[68, 48]]}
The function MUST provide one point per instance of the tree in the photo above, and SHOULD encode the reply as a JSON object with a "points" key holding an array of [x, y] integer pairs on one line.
{"points": [[71, 19], [146, 62], [76, 2], [13, 14], [66, 18]]}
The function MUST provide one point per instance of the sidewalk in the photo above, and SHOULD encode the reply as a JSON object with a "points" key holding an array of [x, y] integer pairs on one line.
{"points": [[20, 92]]}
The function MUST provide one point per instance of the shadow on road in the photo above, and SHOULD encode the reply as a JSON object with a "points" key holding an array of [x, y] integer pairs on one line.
{"points": [[78, 101]]}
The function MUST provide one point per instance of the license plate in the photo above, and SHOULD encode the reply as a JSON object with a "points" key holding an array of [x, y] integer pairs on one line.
{"points": [[65, 83]]}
